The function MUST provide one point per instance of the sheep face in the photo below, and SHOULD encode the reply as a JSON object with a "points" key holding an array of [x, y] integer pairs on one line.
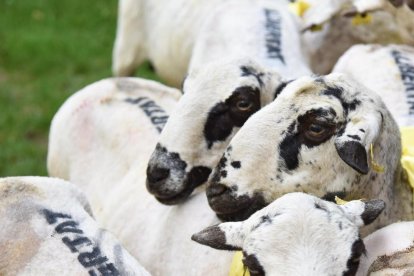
{"points": [[313, 138], [298, 234], [217, 100]]}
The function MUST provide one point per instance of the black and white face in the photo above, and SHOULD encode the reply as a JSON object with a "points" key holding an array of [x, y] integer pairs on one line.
{"points": [[298, 234], [217, 100], [313, 138]]}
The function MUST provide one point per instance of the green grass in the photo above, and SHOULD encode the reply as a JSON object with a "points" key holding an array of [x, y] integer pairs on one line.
{"points": [[48, 50]]}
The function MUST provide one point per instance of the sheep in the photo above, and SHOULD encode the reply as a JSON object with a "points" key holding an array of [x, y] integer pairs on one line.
{"points": [[47, 228], [298, 234], [389, 251], [347, 22], [331, 131], [387, 70], [178, 36], [215, 104], [152, 232], [125, 115]]}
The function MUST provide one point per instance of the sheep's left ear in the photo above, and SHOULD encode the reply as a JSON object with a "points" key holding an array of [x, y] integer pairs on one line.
{"points": [[364, 213], [224, 236], [353, 143]]}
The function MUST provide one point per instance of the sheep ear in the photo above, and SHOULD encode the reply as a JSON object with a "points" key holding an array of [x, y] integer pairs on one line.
{"points": [[364, 213], [225, 236], [354, 140], [354, 154]]}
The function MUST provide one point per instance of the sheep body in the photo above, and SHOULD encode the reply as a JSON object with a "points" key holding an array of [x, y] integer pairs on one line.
{"points": [[48, 229], [107, 143], [205, 31], [387, 70], [98, 113]]}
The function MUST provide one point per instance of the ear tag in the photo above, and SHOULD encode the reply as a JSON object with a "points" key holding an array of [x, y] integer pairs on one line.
{"points": [[361, 19], [299, 7], [237, 267], [375, 166], [340, 201]]}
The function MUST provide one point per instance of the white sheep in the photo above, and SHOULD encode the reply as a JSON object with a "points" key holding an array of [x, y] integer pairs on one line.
{"points": [[178, 36], [387, 70], [390, 251], [344, 23], [298, 234], [47, 228], [119, 118], [215, 104], [331, 131], [103, 154]]}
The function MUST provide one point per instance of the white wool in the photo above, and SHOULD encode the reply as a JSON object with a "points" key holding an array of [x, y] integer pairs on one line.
{"points": [[38, 215]]}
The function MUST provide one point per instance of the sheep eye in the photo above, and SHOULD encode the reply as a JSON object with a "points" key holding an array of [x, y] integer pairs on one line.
{"points": [[316, 130], [244, 105]]}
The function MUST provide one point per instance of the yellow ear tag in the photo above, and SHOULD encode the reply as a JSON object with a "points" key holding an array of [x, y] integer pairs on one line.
{"points": [[407, 158], [375, 166], [361, 19], [237, 267], [340, 201], [299, 7]]}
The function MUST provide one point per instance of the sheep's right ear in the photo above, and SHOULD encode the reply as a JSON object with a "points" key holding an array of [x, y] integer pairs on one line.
{"points": [[224, 236]]}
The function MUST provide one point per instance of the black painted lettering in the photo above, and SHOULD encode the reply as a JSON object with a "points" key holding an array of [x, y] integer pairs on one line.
{"points": [[406, 68], [94, 258], [52, 217], [68, 227], [108, 270], [273, 35], [155, 113], [135, 101], [72, 244]]}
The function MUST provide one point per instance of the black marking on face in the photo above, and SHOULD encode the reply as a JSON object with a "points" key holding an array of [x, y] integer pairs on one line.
{"points": [[274, 35], [330, 196], [154, 112], [337, 92], [253, 264], [214, 237], [313, 128], [198, 175], [217, 172], [280, 88], [406, 68], [250, 71], [355, 137], [357, 249], [234, 112], [362, 130], [236, 164]]}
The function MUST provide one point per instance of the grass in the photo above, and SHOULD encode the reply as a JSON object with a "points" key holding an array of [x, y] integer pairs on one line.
{"points": [[48, 50]]}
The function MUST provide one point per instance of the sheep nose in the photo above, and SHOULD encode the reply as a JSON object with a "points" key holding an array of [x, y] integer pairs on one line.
{"points": [[157, 175], [216, 190]]}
